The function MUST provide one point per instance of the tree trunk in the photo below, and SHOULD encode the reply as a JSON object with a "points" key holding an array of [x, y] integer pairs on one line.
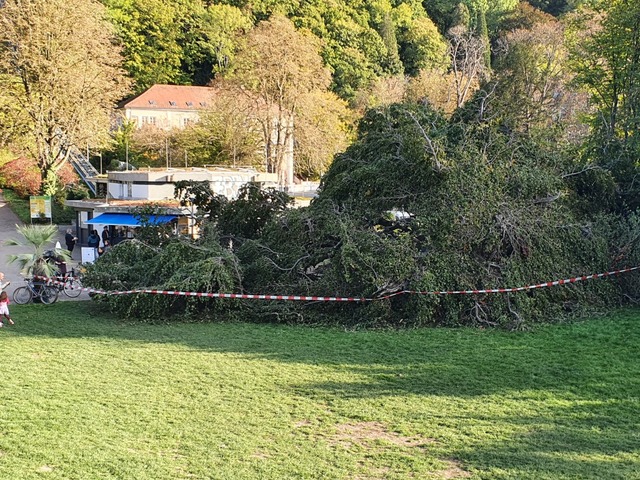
{"points": [[49, 182]]}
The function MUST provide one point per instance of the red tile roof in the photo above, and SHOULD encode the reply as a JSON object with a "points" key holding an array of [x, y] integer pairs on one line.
{"points": [[179, 97]]}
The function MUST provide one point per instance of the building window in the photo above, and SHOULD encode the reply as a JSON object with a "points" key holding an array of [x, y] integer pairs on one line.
{"points": [[172, 103], [148, 120], [187, 121]]}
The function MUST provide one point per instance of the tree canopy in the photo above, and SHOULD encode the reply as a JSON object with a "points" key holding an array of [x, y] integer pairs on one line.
{"points": [[497, 145], [60, 65]]}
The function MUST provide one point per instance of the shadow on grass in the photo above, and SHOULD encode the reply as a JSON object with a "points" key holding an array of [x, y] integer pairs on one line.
{"points": [[585, 358], [589, 372], [591, 442]]}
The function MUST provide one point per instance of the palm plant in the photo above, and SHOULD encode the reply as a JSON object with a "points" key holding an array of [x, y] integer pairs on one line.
{"points": [[38, 237]]}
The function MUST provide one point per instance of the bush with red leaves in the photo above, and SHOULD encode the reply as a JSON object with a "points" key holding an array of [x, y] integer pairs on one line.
{"points": [[23, 176]]}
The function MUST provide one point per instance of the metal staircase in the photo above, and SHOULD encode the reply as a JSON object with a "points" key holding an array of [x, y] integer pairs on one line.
{"points": [[84, 168]]}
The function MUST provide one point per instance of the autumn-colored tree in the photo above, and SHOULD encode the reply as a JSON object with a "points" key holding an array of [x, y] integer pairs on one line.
{"points": [[382, 91], [13, 120], [22, 176], [532, 73], [58, 62], [153, 147], [436, 87], [228, 132], [322, 130], [467, 52], [275, 67]]}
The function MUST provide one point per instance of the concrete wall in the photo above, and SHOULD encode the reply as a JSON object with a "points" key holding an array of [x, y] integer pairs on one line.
{"points": [[159, 184]]}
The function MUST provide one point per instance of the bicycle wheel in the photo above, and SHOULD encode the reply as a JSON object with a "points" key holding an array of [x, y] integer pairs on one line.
{"points": [[72, 287], [22, 295], [49, 294]]}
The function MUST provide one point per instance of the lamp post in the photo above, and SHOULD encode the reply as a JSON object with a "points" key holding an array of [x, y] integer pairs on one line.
{"points": [[192, 219]]}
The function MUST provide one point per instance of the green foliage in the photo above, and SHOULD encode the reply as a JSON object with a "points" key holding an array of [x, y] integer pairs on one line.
{"points": [[178, 264], [150, 231], [392, 62], [447, 13], [483, 33], [489, 209], [498, 195], [559, 7], [150, 31], [200, 197], [605, 56], [373, 172], [246, 216], [158, 260], [422, 46], [39, 239]]}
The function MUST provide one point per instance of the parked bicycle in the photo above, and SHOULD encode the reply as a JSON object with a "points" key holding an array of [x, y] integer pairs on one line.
{"points": [[47, 294], [70, 283]]}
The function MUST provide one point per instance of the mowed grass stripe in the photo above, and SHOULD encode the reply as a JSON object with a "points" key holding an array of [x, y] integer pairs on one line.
{"points": [[85, 395]]}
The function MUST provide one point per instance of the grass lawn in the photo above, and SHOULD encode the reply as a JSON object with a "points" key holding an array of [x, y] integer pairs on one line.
{"points": [[87, 396], [20, 206]]}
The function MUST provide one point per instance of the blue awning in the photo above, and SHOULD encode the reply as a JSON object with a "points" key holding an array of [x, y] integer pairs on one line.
{"points": [[129, 220]]}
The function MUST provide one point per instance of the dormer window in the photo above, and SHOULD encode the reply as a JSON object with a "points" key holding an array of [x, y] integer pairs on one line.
{"points": [[172, 103], [189, 104], [203, 104], [152, 102]]}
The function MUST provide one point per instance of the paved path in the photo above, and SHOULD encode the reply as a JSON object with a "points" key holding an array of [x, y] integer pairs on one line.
{"points": [[8, 222]]}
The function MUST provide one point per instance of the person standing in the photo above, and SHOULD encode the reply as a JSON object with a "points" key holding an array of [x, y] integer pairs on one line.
{"points": [[94, 242], [105, 235], [106, 247], [3, 284], [4, 308], [70, 240]]}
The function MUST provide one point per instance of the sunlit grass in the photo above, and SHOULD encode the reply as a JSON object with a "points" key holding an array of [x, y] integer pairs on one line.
{"points": [[87, 396]]}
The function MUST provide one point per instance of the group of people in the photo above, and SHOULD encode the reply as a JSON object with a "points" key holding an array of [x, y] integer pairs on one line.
{"points": [[4, 302], [100, 243], [94, 241]]}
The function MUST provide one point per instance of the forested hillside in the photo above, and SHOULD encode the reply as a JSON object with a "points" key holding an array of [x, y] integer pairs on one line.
{"points": [[192, 41]]}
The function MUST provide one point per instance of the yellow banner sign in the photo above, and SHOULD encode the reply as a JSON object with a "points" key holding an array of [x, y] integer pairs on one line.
{"points": [[40, 207]]}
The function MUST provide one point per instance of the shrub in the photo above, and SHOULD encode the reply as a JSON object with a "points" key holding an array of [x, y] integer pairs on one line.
{"points": [[179, 264]]}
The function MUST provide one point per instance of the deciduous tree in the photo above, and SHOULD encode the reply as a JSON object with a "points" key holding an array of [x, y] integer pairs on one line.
{"points": [[322, 129], [60, 65], [276, 66], [605, 47], [228, 132]]}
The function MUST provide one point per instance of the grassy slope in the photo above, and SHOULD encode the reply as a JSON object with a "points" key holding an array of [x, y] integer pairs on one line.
{"points": [[87, 396], [20, 206]]}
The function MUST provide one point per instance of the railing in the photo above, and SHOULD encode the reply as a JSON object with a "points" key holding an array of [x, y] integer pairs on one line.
{"points": [[84, 168]]}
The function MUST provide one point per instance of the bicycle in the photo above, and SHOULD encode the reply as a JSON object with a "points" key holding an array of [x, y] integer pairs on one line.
{"points": [[47, 294], [70, 284]]}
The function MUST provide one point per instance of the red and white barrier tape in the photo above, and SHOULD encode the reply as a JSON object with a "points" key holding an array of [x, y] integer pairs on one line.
{"points": [[306, 298], [517, 289]]}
